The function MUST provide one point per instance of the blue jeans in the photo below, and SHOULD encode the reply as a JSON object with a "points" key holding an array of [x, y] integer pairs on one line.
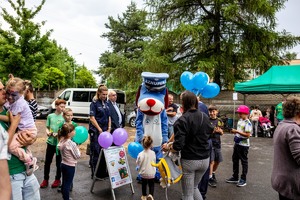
{"points": [[25, 187], [67, 180], [255, 127]]}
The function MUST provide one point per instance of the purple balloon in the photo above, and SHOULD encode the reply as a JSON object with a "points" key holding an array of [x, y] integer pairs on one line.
{"points": [[120, 136], [105, 140]]}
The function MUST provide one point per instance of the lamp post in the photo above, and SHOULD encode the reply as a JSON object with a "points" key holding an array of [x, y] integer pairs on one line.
{"points": [[74, 71]]}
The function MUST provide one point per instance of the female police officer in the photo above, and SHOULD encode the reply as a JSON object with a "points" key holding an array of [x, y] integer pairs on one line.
{"points": [[99, 122]]}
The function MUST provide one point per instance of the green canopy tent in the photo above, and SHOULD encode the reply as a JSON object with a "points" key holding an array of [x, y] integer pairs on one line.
{"points": [[277, 80]]}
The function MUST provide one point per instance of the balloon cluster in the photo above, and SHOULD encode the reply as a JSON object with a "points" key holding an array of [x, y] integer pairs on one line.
{"points": [[198, 83], [118, 137]]}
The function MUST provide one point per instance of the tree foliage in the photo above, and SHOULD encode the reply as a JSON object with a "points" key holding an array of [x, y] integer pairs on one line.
{"points": [[25, 41], [30, 54], [222, 37], [128, 36], [84, 79], [54, 78]]}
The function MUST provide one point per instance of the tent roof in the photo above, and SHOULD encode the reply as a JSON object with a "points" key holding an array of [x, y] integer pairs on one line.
{"points": [[277, 80]]}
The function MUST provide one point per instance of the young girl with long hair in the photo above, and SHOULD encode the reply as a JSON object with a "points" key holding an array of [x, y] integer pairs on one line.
{"points": [[69, 154]]}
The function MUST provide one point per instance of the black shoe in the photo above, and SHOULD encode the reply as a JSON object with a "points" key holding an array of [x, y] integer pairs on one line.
{"points": [[214, 177], [232, 180], [212, 182], [241, 183]]}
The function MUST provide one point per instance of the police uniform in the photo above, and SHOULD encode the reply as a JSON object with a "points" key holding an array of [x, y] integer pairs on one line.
{"points": [[100, 111]]}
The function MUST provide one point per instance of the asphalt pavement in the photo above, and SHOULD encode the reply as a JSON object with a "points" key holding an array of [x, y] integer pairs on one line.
{"points": [[258, 179]]}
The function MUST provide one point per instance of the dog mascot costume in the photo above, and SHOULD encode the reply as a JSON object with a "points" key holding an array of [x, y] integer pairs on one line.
{"points": [[152, 120]]}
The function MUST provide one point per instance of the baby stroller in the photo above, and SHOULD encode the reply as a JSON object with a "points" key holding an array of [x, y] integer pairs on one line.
{"points": [[170, 170], [265, 128]]}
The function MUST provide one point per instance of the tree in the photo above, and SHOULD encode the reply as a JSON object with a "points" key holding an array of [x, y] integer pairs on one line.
{"points": [[84, 78], [26, 52], [54, 78], [128, 36], [24, 39], [222, 37]]}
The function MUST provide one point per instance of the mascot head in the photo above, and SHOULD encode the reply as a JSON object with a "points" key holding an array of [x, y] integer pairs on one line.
{"points": [[152, 96]]}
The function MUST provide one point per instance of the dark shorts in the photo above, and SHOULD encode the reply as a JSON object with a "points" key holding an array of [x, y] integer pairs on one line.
{"points": [[216, 155]]}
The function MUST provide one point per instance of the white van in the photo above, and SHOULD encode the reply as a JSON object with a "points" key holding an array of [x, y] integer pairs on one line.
{"points": [[79, 100]]}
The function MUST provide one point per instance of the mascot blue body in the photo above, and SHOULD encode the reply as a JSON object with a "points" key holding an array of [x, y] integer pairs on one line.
{"points": [[152, 120]]}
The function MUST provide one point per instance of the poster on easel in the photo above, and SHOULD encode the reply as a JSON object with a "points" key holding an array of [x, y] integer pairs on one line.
{"points": [[117, 165]]}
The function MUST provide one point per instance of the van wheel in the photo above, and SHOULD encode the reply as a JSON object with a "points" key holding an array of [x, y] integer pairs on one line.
{"points": [[132, 122]]}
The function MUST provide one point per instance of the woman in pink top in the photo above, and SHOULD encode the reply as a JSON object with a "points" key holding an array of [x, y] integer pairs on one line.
{"points": [[254, 116], [69, 154]]}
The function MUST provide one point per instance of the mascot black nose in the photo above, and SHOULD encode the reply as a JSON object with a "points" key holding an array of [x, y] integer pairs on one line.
{"points": [[150, 102]]}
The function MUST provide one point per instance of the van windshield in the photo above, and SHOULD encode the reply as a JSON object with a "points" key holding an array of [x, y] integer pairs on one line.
{"points": [[65, 96]]}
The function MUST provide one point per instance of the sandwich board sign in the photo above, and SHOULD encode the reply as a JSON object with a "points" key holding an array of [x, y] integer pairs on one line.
{"points": [[117, 166]]}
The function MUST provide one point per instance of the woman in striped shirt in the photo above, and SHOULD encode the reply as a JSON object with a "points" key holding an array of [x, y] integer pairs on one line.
{"points": [[69, 154], [29, 97]]}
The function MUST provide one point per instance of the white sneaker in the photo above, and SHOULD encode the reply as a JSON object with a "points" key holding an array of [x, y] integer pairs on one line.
{"points": [[150, 197]]}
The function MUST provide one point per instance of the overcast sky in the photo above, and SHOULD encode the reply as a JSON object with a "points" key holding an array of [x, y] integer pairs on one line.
{"points": [[78, 24]]}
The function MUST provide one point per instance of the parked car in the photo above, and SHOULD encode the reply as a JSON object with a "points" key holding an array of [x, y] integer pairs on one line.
{"points": [[42, 112], [130, 119]]}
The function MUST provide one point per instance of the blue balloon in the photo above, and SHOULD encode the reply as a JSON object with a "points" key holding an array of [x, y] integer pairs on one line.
{"points": [[186, 80], [134, 148], [210, 90], [200, 80]]}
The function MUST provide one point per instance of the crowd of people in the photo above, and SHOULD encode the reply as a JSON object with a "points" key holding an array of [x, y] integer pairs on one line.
{"points": [[18, 131], [194, 130], [196, 134]]}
